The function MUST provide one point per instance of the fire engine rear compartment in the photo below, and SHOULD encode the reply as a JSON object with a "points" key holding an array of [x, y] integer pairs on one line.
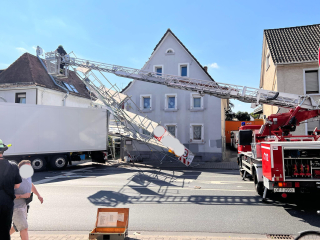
{"points": [[285, 167], [287, 161]]}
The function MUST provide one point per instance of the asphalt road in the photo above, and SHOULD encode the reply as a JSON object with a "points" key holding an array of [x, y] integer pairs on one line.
{"points": [[215, 201]]}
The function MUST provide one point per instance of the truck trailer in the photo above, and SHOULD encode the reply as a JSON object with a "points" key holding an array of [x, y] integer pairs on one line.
{"points": [[53, 136]]}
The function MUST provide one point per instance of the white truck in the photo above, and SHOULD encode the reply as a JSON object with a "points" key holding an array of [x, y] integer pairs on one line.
{"points": [[53, 136]]}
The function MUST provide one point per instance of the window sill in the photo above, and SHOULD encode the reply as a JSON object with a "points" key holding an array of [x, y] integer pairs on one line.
{"points": [[146, 110], [170, 110], [197, 142], [196, 109], [169, 53]]}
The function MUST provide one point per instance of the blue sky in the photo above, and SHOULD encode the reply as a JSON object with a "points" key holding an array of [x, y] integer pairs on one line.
{"points": [[226, 35]]}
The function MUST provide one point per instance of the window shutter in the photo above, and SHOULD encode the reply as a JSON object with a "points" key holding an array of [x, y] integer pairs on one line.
{"points": [[312, 82]]}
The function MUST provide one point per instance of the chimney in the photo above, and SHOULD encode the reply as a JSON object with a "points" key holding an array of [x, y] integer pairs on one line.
{"points": [[205, 68]]}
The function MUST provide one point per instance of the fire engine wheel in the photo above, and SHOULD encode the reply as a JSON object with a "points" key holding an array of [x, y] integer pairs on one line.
{"points": [[258, 185]]}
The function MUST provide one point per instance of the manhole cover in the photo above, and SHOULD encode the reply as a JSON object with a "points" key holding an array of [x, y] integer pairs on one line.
{"points": [[279, 236]]}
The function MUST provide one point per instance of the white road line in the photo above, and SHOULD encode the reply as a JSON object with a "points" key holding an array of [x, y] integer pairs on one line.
{"points": [[66, 174]]}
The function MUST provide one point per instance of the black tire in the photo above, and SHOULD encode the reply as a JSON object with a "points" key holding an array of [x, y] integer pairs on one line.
{"points": [[258, 185], [58, 162], [98, 157], [308, 235], [39, 164]]}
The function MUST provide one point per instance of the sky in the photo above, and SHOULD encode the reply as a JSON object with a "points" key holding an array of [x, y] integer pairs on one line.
{"points": [[224, 35]]}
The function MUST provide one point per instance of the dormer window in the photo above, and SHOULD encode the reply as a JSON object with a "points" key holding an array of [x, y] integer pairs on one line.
{"points": [[170, 51]]}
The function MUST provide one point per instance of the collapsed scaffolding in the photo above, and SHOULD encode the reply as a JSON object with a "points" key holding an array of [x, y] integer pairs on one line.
{"points": [[128, 124]]}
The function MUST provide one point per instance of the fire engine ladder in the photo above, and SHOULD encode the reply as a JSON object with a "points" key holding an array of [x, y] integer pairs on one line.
{"points": [[128, 123], [113, 100], [220, 90]]}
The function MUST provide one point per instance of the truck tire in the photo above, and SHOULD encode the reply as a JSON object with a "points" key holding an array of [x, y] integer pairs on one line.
{"points": [[258, 185], [58, 162], [98, 157], [38, 164]]}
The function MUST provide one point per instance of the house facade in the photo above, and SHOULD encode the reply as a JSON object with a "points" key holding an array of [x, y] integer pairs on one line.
{"points": [[26, 81], [197, 121], [290, 64]]}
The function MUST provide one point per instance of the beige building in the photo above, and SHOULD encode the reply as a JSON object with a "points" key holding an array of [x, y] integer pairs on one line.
{"points": [[290, 64]]}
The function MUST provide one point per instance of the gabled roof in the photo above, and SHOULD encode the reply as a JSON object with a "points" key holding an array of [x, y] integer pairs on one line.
{"points": [[294, 44], [126, 87], [169, 31], [27, 70]]}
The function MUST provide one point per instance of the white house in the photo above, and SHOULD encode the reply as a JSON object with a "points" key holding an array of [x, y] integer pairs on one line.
{"points": [[197, 121], [26, 81]]}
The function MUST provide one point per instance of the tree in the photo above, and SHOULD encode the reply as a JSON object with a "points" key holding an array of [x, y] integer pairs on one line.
{"points": [[255, 116], [229, 113], [243, 116]]}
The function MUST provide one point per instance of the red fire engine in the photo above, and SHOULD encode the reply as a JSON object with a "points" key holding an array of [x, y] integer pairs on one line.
{"points": [[277, 160]]}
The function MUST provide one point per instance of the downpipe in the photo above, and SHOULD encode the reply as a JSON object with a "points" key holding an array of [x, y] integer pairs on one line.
{"points": [[54, 81]]}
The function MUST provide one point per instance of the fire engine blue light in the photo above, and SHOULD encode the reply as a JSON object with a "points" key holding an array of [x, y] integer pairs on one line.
{"points": [[243, 123]]}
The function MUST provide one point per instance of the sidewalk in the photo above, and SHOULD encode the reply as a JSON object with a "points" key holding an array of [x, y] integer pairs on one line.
{"points": [[81, 235]]}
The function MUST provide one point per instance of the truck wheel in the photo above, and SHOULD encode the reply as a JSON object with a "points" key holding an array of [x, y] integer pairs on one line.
{"points": [[58, 162], [258, 185], [38, 164]]}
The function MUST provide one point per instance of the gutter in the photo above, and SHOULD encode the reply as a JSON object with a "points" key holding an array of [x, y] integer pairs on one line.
{"points": [[312, 61], [54, 81]]}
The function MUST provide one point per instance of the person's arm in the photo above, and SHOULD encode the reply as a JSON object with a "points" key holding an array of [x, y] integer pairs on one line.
{"points": [[35, 191], [16, 186]]}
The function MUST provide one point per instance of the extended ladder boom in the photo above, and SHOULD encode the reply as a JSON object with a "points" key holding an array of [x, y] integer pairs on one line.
{"points": [[220, 90]]}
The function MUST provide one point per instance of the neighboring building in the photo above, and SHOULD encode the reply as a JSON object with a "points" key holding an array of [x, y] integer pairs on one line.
{"points": [[197, 121], [290, 64], [26, 81]]}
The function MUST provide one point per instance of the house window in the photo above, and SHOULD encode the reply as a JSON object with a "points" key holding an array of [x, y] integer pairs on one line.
{"points": [[267, 61], [184, 69], [145, 102], [158, 69], [145, 132], [21, 98], [172, 128], [171, 101], [312, 81], [196, 102], [170, 51], [196, 133], [70, 87]]}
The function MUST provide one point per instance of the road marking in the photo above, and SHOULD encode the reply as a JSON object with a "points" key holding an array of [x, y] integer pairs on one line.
{"points": [[65, 175], [105, 187], [229, 182]]}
